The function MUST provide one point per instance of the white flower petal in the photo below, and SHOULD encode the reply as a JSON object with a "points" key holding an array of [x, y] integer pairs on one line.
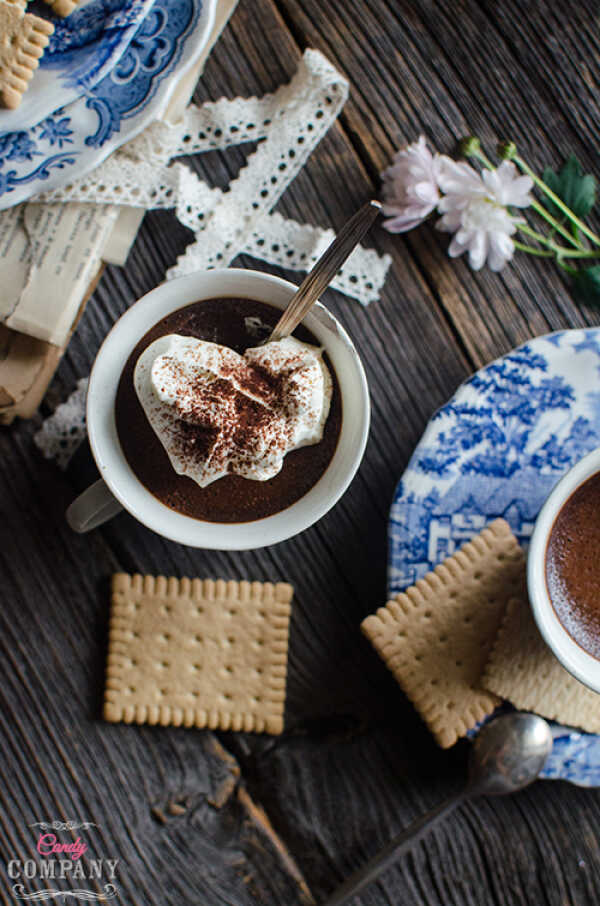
{"points": [[478, 249], [507, 187], [459, 178], [426, 192], [456, 248], [416, 211], [465, 236], [520, 188], [449, 222], [402, 223], [493, 182], [453, 203], [501, 250]]}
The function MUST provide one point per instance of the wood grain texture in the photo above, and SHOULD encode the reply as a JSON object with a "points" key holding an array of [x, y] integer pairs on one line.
{"points": [[197, 819], [448, 71], [60, 761]]}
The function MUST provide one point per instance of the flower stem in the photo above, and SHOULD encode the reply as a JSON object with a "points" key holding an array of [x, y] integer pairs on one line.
{"points": [[566, 267], [557, 201], [541, 253], [554, 249], [478, 154], [579, 253], [554, 223], [545, 240]]}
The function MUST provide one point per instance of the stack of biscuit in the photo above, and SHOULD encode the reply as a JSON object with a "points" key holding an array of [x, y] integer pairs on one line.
{"points": [[462, 640]]}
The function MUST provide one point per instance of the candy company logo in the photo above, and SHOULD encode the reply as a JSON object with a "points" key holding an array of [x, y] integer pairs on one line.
{"points": [[59, 858]]}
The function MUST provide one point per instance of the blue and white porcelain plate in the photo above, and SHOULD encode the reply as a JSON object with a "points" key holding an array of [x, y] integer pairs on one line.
{"points": [[497, 448], [83, 49], [74, 139]]}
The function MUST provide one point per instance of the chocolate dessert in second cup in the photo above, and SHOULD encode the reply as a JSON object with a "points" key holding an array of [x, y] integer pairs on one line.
{"points": [[573, 566], [231, 323]]}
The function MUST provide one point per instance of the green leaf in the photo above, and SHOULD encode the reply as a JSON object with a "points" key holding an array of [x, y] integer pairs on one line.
{"points": [[586, 284], [576, 189]]}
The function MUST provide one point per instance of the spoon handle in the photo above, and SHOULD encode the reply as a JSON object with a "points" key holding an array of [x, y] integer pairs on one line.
{"points": [[325, 269], [388, 855]]}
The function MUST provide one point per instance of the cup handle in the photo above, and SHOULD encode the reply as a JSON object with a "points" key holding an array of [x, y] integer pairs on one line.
{"points": [[93, 507]]}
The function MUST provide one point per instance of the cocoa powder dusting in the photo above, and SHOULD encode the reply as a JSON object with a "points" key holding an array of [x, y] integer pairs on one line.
{"points": [[231, 498]]}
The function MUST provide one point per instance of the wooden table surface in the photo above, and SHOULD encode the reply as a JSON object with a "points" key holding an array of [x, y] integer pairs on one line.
{"points": [[206, 818]]}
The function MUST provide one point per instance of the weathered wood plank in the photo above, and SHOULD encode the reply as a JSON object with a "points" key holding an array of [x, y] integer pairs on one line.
{"points": [[349, 793], [60, 761], [447, 72]]}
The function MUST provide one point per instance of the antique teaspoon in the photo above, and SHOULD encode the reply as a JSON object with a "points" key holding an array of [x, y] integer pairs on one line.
{"points": [[507, 755], [325, 270]]}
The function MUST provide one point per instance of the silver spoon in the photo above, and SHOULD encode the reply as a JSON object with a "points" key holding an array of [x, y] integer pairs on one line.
{"points": [[325, 270], [507, 755]]}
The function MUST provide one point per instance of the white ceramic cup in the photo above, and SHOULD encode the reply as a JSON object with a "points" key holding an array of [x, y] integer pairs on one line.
{"points": [[579, 663], [119, 486]]}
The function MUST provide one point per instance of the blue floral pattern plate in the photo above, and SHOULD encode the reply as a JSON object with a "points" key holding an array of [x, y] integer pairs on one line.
{"points": [[497, 448], [85, 46], [75, 139]]}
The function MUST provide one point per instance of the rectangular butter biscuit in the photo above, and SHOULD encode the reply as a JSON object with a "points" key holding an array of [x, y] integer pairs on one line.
{"points": [[522, 669], [437, 635], [199, 653]]}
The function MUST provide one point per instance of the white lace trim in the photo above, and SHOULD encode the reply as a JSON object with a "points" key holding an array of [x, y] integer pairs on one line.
{"points": [[288, 125], [63, 432], [297, 246]]}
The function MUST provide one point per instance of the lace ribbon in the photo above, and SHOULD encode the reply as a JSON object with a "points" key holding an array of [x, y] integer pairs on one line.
{"points": [[63, 431], [287, 124]]}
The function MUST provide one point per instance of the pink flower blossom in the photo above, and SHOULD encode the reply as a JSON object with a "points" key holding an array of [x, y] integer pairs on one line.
{"points": [[410, 187]]}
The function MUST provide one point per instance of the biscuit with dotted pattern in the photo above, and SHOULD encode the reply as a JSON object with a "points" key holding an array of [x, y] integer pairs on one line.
{"points": [[437, 635], [522, 669], [198, 653]]}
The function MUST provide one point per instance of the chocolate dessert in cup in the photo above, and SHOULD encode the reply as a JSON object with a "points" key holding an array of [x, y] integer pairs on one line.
{"points": [[163, 355], [563, 570]]}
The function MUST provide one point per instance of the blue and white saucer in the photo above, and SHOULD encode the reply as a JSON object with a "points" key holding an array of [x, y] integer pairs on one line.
{"points": [[497, 448], [85, 46], [74, 139]]}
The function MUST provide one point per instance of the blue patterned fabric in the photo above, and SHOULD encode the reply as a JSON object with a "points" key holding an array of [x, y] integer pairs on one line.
{"points": [[497, 448]]}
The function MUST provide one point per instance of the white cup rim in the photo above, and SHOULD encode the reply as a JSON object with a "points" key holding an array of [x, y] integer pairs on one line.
{"points": [[580, 664], [122, 481]]}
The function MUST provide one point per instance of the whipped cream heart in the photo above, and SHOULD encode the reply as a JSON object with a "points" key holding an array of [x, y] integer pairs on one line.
{"points": [[216, 412]]}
